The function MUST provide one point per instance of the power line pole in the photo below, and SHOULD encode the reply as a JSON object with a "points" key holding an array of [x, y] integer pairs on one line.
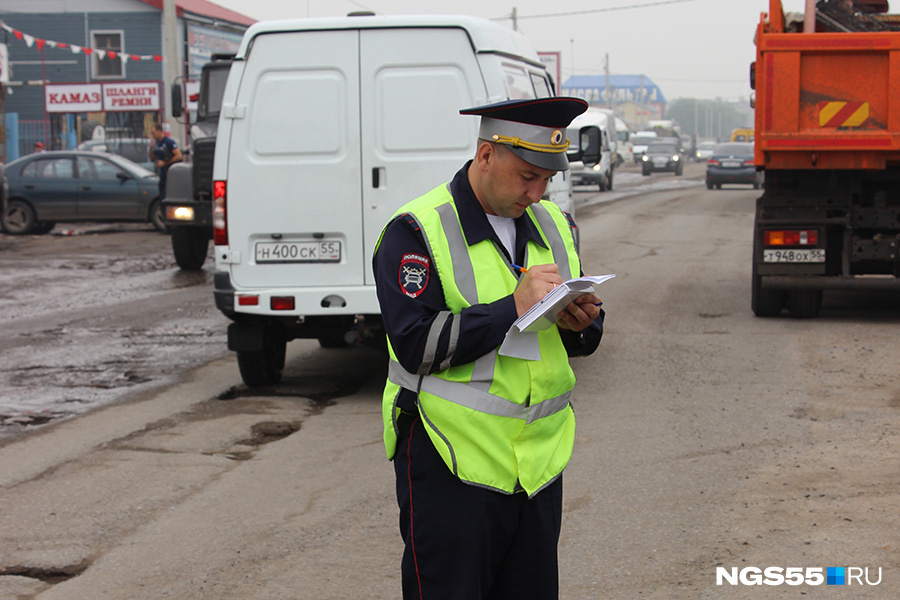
{"points": [[609, 103], [515, 19]]}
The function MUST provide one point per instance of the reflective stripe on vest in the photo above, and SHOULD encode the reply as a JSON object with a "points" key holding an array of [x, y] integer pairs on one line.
{"points": [[466, 395]]}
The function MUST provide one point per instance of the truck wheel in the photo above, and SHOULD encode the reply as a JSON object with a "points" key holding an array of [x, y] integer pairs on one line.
{"points": [[18, 218], [766, 302], [190, 245], [263, 367], [804, 304]]}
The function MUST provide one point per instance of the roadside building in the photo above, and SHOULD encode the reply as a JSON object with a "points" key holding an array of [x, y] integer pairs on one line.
{"points": [[85, 69]]}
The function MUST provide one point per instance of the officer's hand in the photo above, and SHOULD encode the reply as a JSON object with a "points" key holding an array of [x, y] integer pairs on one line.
{"points": [[534, 285], [579, 313]]}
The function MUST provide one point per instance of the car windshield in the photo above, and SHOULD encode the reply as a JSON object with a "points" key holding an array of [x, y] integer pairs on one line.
{"points": [[735, 149], [707, 145], [662, 149], [642, 140]]}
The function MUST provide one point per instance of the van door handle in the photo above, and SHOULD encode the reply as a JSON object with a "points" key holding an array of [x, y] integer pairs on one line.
{"points": [[377, 176]]}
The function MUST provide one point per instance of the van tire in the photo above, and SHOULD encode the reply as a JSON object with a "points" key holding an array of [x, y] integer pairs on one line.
{"points": [[603, 185], [609, 181], [190, 246], [264, 367]]}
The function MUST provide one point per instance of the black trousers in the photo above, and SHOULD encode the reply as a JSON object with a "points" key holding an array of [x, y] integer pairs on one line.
{"points": [[469, 543]]}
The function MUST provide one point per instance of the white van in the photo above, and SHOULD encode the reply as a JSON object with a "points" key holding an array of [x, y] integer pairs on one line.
{"points": [[327, 127], [601, 172]]}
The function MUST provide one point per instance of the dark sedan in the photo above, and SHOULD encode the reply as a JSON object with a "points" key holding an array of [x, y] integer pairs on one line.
{"points": [[77, 186], [663, 156], [732, 162]]}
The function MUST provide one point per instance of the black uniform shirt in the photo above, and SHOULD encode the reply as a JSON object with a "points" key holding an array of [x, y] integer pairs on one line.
{"points": [[482, 327]]}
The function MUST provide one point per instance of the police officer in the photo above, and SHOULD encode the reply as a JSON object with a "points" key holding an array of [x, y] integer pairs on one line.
{"points": [[478, 439]]}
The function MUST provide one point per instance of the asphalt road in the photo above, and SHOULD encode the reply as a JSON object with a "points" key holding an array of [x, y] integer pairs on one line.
{"points": [[706, 437]]}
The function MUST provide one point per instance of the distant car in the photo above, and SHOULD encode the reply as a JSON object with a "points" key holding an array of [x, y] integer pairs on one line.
{"points": [[732, 162], [663, 156], [134, 149], [78, 186], [704, 150]]}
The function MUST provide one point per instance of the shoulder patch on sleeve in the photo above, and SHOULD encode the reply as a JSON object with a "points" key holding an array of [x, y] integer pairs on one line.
{"points": [[571, 220], [413, 275]]}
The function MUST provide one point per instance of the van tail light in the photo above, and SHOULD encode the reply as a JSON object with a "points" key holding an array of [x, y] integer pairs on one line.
{"points": [[220, 214], [714, 162], [777, 237]]}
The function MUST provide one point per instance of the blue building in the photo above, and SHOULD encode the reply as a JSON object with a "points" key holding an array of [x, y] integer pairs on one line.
{"points": [[95, 67]]}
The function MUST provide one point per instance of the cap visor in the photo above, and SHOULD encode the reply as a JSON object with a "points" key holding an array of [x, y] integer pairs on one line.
{"points": [[544, 160]]}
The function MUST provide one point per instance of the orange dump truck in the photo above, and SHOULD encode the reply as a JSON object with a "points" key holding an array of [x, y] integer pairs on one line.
{"points": [[828, 137]]}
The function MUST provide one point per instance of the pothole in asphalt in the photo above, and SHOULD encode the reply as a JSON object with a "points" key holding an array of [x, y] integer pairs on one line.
{"points": [[47, 574]]}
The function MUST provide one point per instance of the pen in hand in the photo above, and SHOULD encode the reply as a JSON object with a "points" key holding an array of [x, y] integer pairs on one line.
{"points": [[518, 268]]}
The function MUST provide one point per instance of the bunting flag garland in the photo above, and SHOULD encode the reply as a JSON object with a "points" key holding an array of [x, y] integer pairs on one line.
{"points": [[31, 41]]}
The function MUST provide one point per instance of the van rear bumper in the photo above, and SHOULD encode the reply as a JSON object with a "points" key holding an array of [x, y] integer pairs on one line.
{"points": [[307, 301]]}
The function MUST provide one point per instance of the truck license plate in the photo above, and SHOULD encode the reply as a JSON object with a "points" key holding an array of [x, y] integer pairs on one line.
{"points": [[289, 252], [813, 255]]}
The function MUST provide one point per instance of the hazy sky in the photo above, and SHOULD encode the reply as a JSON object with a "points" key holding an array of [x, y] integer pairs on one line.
{"points": [[690, 48]]}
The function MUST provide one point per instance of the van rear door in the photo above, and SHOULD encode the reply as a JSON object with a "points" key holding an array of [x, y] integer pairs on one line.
{"points": [[294, 196], [414, 83]]}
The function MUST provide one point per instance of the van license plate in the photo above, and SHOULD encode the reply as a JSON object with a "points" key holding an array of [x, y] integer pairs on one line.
{"points": [[289, 252], [814, 255]]}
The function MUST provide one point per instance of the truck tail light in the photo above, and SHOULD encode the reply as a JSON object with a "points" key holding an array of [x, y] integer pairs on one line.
{"points": [[220, 214], [778, 237]]}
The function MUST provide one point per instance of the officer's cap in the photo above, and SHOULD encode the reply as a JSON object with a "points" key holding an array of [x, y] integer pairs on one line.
{"points": [[534, 130]]}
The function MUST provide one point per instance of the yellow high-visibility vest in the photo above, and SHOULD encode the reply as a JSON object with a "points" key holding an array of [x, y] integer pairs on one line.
{"points": [[499, 422]]}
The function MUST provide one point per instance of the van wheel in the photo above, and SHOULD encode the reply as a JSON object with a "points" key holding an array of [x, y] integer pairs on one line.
{"points": [[603, 185], [263, 367], [609, 181], [190, 245], [18, 218], [804, 304], [645, 172]]}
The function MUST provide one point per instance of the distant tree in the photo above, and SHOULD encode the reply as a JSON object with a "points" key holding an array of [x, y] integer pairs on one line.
{"points": [[714, 118]]}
